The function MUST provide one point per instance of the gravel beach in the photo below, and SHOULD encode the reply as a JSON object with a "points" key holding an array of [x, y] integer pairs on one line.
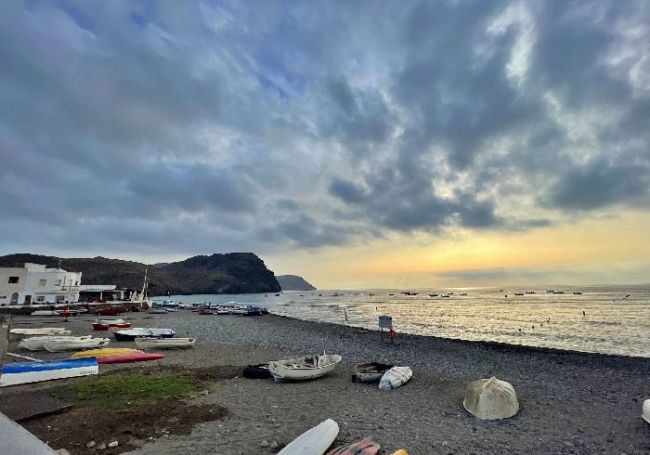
{"points": [[570, 402]]}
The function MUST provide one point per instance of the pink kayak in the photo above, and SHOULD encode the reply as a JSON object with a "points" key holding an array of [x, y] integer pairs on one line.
{"points": [[364, 447], [132, 357]]}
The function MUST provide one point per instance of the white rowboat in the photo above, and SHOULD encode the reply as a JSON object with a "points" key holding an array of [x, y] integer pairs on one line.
{"points": [[75, 345], [165, 343], [304, 368], [38, 343], [23, 373], [314, 441], [17, 334]]}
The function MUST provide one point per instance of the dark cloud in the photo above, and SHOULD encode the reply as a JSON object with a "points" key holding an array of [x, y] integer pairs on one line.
{"points": [[260, 125]]}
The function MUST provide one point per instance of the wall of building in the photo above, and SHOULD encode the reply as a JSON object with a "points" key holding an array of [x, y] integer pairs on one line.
{"points": [[8, 289], [39, 285]]}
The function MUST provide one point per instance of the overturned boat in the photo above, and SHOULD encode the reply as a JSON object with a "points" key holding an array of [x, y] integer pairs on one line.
{"points": [[395, 377], [75, 345], [369, 372], [38, 343], [165, 343], [304, 368], [17, 334], [132, 334], [23, 373]]}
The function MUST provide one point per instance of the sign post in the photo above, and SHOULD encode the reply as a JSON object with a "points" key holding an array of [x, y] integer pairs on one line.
{"points": [[385, 322]]}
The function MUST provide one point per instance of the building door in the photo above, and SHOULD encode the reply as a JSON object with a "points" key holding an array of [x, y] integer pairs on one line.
{"points": [[28, 300], [14, 299]]}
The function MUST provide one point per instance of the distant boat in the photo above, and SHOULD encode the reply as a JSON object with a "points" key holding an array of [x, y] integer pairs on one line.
{"points": [[433, 295], [577, 293], [45, 313], [304, 368], [157, 311], [165, 343], [75, 345], [106, 324], [132, 334]]}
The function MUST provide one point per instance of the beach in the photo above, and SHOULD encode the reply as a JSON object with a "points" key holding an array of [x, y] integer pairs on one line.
{"points": [[570, 402]]}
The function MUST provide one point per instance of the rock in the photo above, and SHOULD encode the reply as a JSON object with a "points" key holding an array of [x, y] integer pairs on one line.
{"points": [[113, 444], [204, 392], [568, 444], [101, 446], [274, 445], [264, 443], [90, 444]]}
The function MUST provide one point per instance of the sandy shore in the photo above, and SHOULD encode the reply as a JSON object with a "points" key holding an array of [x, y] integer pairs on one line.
{"points": [[570, 402]]}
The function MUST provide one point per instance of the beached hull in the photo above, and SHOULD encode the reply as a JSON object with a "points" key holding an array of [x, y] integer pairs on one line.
{"points": [[64, 345], [293, 370], [100, 326], [395, 377], [18, 334], [24, 373], [45, 313], [369, 372], [364, 447], [165, 343], [314, 441], [104, 352], [38, 343], [131, 335], [129, 358]]}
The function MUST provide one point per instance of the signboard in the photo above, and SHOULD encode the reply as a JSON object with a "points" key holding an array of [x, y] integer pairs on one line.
{"points": [[385, 322]]}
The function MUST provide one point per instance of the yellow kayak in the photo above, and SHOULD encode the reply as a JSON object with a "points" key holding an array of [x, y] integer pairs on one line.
{"points": [[401, 452], [104, 352]]}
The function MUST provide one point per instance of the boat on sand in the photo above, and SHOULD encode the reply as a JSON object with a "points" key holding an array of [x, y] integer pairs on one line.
{"points": [[369, 372], [128, 358], [304, 368], [103, 352], [23, 373], [132, 334], [17, 334], [364, 447], [38, 343], [165, 343], [106, 324], [395, 377], [314, 441], [75, 345]]}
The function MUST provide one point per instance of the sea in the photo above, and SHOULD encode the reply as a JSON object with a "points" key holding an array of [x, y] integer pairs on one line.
{"points": [[601, 319]]}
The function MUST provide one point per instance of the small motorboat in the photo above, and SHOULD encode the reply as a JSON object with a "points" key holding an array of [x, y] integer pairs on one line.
{"points": [[129, 358], [369, 372], [304, 368], [75, 345], [107, 324], [132, 334], [17, 334], [23, 373], [165, 343], [314, 441], [395, 377], [104, 352], [38, 343]]}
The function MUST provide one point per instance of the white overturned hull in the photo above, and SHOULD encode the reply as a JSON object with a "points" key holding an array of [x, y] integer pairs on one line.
{"points": [[38, 343], [395, 377], [22, 333], [25, 373], [314, 441], [304, 368], [75, 345], [165, 343]]}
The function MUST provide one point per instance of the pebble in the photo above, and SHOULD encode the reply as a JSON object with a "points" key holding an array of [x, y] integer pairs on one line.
{"points": [[264, 443], [113, 444], [90, 444], [101, 446], [274, 445]]}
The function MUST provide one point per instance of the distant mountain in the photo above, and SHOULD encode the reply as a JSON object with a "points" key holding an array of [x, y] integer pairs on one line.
{"points": [[294, 283], [231, 273]]}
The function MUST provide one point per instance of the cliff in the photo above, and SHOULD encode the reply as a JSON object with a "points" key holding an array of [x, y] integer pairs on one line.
{"points": [[231, 273], [294, 283]]}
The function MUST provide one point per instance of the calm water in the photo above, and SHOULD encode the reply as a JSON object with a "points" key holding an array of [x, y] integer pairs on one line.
{"points": [[612, 323]]}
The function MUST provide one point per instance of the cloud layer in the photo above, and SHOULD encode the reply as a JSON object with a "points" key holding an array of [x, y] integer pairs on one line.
{"points": [[197, 127]]}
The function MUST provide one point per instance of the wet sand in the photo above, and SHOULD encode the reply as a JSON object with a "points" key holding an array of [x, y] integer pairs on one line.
{"points": [[570, 402]]}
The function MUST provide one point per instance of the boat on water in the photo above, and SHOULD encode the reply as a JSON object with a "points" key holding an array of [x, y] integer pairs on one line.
{"points": [[23, 373], [104, 352], [75, 345], [369, 372], [314, 441], [17, 334], [38, 343], [132, 334], [106, 324], [304, 368], [165, 343]]}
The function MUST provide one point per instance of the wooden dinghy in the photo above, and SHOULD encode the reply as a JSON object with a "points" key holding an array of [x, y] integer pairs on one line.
{"points": [[38, 343], [104, 352], [132, 334], [165, 343], [75, 345], [314, 441], [395, 377], [18, 334], [364, 447], [369, 372], [128, 358], [304, 368], [23, 373]]}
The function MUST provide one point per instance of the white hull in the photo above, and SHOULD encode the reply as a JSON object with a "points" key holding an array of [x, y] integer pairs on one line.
{"points": [[47, 371], [165, 343], [17, 334], [304, 368], [75, 345], [314, 441], [45, 313], [38, 343], [395, 377]]}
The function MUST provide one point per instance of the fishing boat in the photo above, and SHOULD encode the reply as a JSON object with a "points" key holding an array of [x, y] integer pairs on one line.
{"points": [[38, 343], [369, 372], [314, 441], [132, 334], [129, 358], [104, 352], [107, 324], [165, 343], [23, 373], [304, 368], [75, 345], [17, 334], [395, 377]]}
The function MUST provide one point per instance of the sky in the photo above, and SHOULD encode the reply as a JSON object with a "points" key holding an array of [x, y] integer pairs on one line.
{"points": [[359, 144]]}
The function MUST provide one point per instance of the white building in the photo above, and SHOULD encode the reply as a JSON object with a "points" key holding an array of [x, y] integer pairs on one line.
{"points": [[34, 284]]}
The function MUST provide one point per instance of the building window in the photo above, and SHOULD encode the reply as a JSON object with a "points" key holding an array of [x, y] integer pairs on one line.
{"points": [[40, 299], [57, 283], [13, 279], [60, 298], [76, 283], [42, 283]]}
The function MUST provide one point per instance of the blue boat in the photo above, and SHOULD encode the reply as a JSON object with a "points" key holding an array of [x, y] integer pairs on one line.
{"points": [[23, 373]]}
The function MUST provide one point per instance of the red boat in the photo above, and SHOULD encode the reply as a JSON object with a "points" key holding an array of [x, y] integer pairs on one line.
{"points": [[128, 358], [111, 325], [110, 310], [205, 312]]}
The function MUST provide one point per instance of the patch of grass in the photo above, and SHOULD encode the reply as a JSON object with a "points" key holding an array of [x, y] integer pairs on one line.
{"points": [[122, 390]]}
